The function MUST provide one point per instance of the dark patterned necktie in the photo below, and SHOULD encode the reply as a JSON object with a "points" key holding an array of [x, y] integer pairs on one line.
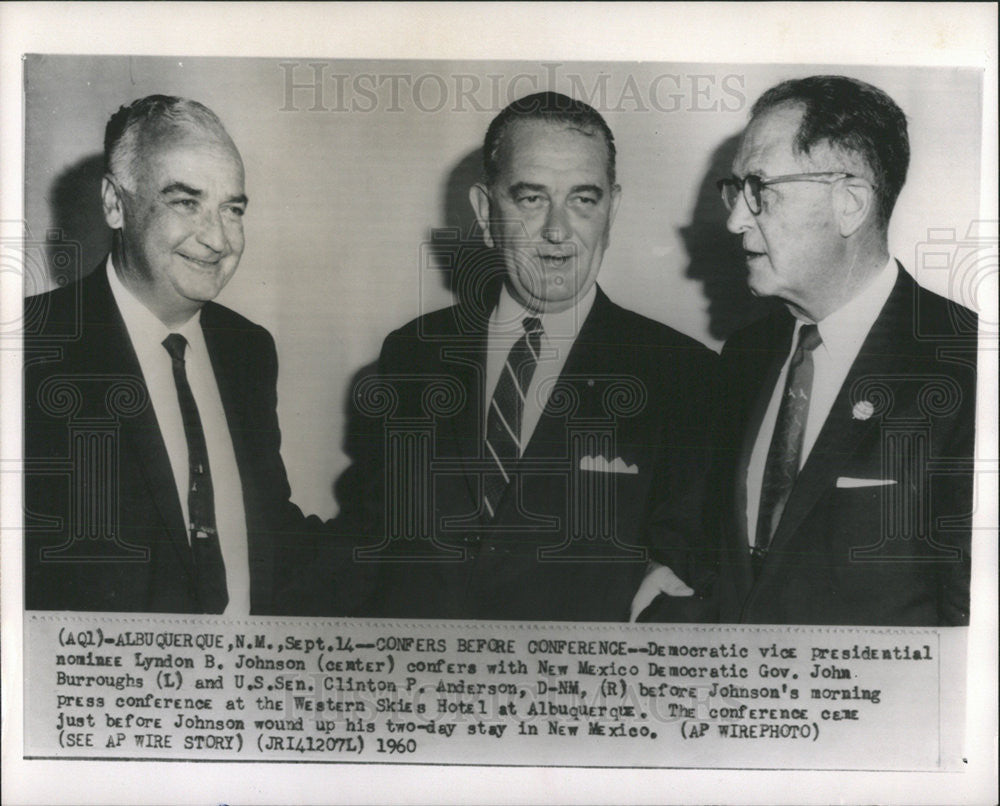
{"points": [[506, 413], [783, 457], [211, 571]]}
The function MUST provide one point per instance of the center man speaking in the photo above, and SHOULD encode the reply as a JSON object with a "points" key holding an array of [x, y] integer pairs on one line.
{"points": [[522, 446]]}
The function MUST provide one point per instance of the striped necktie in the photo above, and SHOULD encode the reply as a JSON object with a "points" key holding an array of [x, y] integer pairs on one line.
{"points": [[503, 422]]}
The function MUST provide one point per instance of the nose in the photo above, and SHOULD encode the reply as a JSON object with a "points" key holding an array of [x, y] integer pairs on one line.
{"points": [[211, 232], [556, 228], [740, 218]]}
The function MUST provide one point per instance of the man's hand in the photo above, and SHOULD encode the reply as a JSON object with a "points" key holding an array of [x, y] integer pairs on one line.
{"points": [[659, 579]]}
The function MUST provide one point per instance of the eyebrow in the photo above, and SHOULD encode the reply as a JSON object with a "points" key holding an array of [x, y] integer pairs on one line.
{"points": [[180, 187], [597, 190], [519, 187]]}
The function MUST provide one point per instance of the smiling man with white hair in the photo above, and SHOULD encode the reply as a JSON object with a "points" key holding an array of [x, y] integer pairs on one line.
{"points": [[159, 402]]}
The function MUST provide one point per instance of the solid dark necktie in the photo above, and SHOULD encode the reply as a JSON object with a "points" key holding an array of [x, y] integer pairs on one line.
{"points": [[783, 457], [506, 412], [211, 571]]}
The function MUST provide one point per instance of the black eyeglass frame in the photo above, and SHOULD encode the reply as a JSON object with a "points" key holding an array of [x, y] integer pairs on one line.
{"points": [[751, 185]]}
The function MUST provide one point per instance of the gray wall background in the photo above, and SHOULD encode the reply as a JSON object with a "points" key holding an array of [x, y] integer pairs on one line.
{"points": [[356, 171]]}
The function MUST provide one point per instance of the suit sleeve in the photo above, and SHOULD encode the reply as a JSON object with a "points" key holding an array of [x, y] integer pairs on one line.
{"points": [[676, 531], [312, 575], [360, 491], [952, 508]]}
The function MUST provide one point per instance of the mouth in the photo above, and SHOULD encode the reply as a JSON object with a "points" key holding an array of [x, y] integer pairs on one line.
{"points": [[750, 255], [555, 261], [205, 265]]}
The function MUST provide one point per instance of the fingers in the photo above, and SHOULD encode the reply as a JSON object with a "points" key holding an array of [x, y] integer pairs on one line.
{"points": [[673, 585], [659, 579]]}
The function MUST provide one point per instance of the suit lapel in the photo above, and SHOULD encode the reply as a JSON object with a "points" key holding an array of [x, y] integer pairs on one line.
{"points": [[549, 439], [842, 433], [466, 363], [227, 350], [141, 434], [765, 364], [226, 369]]}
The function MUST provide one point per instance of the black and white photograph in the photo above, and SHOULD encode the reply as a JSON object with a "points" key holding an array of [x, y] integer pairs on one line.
{"points": [[539, 416], [479, 470]]}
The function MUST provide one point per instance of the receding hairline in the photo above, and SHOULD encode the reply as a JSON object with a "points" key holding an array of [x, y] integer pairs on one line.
{"points": [[154, 137], [801, 108], [590, 130], [163, 135]]}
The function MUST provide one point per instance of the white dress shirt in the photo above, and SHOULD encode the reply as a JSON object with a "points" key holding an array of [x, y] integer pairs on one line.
{"points": [[560, 332], [147, 333], [843, 332]]}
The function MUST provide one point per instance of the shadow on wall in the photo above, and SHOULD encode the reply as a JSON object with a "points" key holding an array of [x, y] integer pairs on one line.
{"points": [[78, 238], [361, 437], [469, 269], [714, 254], [455, 252]]}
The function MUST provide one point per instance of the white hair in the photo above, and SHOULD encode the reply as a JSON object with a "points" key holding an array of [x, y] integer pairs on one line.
{"points": [[131, 128]]}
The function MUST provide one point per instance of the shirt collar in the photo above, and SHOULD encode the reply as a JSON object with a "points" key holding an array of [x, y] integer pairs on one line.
{"points": [[509, 314], [141, 323], [844, 331]]}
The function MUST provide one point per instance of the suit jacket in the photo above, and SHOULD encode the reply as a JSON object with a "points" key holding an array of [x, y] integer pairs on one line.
{"points": [[877, 527], [623, 432], [103, 525]]}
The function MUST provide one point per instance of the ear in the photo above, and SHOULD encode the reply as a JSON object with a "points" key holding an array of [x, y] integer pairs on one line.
{"points": [[479, 198], [616, 198], [855, 203], [112, 203]]}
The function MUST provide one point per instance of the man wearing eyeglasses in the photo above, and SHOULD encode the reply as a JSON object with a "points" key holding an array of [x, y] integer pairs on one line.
{"points": [[846, 434]]}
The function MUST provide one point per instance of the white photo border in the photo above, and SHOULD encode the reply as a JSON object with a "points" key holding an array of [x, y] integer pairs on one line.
{"points": [[900, 34]]}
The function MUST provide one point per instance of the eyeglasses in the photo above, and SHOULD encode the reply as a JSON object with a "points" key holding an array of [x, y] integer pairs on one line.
{"points": [[751, 185]]}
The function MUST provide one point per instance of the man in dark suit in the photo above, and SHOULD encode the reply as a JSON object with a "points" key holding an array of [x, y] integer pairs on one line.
{"points": [[153, 479], [843, 486], [517, 446]]}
